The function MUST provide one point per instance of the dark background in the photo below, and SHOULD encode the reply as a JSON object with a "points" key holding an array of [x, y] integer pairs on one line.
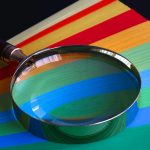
{"points": [[141, 6], [18, 15]]}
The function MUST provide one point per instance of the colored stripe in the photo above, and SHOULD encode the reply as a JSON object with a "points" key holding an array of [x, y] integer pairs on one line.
{"points": [[18, 139], [6, 116], [5, 85], [144, 98], [119, 42], [66, 21], [8, 70], [61, 60], [68, 30], [142, 118], [105, 29], [53, 19], [10, 127], [145, 76], [139, 56], [131, 113], [5, 102]]}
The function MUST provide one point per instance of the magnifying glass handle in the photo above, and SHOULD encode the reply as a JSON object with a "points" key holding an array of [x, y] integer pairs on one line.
{"points": [[10, 52]]}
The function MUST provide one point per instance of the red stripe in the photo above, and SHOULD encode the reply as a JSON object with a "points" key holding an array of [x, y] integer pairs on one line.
{"points": [[105, 29], [66, 21], [8, 70]]}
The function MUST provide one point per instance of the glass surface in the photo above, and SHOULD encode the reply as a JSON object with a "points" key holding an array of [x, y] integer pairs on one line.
{"points": [[75, 88]]}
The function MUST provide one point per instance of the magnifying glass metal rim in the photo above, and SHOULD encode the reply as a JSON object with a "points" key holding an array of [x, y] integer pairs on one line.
{"points": [[92, 49]]}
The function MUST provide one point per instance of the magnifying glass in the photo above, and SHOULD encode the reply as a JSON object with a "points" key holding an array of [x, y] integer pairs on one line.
{"points": [[72, 94]]}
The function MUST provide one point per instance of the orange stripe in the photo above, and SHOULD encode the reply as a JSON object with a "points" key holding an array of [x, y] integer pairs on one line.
{"points": [[5, 85], [65, 59], [126, 39]]}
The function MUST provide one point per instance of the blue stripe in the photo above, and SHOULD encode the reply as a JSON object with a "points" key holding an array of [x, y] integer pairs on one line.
{"points": [[6, 116], [145, 77], [82, 89], [142, 118], [131, 113], [19, 139]]}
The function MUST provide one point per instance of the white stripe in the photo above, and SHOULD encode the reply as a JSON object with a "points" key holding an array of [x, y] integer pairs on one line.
{"points": [[57, 17]]}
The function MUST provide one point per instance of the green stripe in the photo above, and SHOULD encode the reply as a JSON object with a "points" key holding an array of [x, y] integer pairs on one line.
{"points": [[144, 98], [127, 139], [71, 73], [94, 106], [10, 128], [5, 102], [140, 56]]}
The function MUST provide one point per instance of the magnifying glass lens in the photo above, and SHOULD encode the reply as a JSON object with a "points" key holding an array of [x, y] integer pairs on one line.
{"points": [[75, 88]]}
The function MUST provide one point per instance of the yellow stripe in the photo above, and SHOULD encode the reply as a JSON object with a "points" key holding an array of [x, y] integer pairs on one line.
{"points": [[126, 39], [4, 85], [77, 26], [53, 19]]}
